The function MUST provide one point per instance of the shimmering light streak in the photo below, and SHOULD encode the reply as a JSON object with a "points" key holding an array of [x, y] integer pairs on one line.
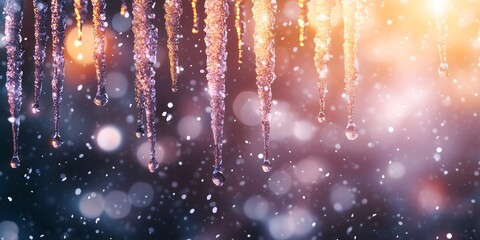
{"points": [[264, 47], [13, 25], [173, 11], [240, 26], [80, 9], [195, 17], [40, 12], [145, 51], [58, 33], [302, 20], [441, 23], [99, 25], [216, 41], [323, 11], [351, 62]]}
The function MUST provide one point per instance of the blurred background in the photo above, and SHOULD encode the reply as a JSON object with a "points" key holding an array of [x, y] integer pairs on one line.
{"points": [[413, 172]]}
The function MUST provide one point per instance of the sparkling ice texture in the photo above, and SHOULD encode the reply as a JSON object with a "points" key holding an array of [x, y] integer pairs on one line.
{"points": [[173, 12], [442, 28], [195, 17], [351, 60], [302, 20], [240, 26], [13, 26], [264, 47], [40, 8], [323, 11], [145, 56], [216, 42], [81, 11], [99, 25]]}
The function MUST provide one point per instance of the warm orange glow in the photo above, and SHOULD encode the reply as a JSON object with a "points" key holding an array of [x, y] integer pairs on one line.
{"points": [[439, 7], [81, 53]]}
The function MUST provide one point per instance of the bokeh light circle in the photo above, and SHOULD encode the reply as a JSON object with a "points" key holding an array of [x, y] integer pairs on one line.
{"points": [[121, 23], [91, 205], [117, 205], [141, 194], [246, 108], [396, 170], [189, 127], [280, 182], [8, 230], [109, 138], [256, 207], [117, 84], [342, 198], [143, 153]]}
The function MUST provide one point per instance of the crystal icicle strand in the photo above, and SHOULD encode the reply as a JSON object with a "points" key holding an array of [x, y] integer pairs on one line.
{"points": [[80, 9], [40, 11], [13, 25], [216, 41], [145, 52], [195, 17], [323, 10], [99, 25], [302, 21], [264, 47], [240, 26], [173, 11], [442, 28], [58, 33], [351, 62]]}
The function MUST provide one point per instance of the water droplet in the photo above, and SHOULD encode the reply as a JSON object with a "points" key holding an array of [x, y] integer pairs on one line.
{"points": [[153, 165], [101, 99], [174, 88], [15, 162], [351, 131], [266, 166], [321, 117], [218, 178], [443, 70], [57, 141], [36, 107], [140, 132]]}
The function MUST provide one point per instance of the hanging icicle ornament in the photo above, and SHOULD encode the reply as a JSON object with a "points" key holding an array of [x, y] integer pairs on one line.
{"points": [[80, 10], [13, 26], [240, 26], [173, 12], [99, 25], [441, 24], [216, 49], [302, 21], [195, 17], [145, 55], [124, 9], [351, 62], [40, 12], [323, 12], [58, 38], [264, 46]]}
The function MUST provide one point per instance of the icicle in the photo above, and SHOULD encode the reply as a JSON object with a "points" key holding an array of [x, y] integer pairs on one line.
{"points": [[124, 9], [302, 20], [99, 25], [441, 23], [145, 55], [58, 33], [13, 26], [173, 11], [195, 17], [264, 46], [40, 12], [80, 9], [323, 10], [216, 41], [240, 26], [351, 62]]}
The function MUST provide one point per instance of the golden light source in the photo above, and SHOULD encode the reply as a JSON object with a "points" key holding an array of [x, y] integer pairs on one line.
{"points": [[81, 53]]}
